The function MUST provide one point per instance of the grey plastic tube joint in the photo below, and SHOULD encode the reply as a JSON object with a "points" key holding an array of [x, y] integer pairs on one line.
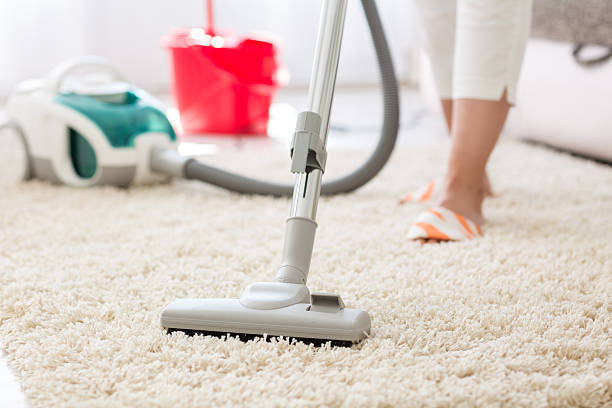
{"points": [[297, 250]]}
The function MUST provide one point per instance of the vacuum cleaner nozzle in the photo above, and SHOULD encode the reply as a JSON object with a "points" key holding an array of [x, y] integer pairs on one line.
{"points": [[271, 309]]}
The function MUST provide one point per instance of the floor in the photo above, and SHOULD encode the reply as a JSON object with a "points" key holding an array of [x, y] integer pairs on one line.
{"points": [[519, 318], [355, 122]]}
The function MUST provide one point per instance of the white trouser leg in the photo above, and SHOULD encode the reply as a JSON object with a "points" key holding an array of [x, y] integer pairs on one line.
{"points": [[489, 47], [476, 47], [438, 18]]}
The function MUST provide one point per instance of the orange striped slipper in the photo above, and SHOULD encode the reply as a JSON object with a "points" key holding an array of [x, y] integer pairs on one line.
{"points": [[443, 224], [425, 193]]}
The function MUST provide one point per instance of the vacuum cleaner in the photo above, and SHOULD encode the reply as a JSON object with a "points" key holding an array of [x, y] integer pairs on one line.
{"points": [[97, 129]]}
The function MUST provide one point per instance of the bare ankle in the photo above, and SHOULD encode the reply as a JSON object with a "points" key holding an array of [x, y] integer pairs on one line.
{"points": [[464, 197], [472, 187]]}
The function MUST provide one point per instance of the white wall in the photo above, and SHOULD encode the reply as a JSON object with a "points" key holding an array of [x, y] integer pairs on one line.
{"points": [[35, 35]]}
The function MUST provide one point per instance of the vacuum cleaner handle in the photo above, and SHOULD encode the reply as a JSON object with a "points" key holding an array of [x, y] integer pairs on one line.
{"points": [[58, 75]]}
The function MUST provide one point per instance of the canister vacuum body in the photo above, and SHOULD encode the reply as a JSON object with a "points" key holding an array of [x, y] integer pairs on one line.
{"points": [[84, 125]]}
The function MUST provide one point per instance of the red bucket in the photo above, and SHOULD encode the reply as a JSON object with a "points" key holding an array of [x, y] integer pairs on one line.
{"points": [[222, 84]]}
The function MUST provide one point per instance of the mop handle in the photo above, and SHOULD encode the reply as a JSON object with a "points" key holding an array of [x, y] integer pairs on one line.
{"points": [[209, 18]]}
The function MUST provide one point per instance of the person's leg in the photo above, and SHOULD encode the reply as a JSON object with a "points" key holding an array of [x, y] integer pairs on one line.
{"points": [[438, 21], [447, 110], [477, 125], [489, 48]]}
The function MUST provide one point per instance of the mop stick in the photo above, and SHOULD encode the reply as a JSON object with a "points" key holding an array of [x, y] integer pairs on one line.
{"points": [[209, 18]]}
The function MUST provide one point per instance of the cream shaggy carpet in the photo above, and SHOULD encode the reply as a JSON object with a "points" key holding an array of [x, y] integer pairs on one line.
{"points": [[522, 317]]}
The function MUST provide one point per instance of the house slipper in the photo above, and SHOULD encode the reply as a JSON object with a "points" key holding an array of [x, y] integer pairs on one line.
{"points": [[442, 224], [429, 191]]}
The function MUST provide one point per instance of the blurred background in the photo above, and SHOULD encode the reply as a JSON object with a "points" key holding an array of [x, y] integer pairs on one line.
{"points": [[36, 35], [562, 102]]}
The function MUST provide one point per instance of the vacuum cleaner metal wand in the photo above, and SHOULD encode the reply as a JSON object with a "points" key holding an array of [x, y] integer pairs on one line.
{"points": [[286, 307], [301, 224]]}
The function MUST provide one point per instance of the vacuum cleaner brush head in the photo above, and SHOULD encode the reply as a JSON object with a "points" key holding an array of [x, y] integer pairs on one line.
{"points": [[248, 337], [324, 319]]}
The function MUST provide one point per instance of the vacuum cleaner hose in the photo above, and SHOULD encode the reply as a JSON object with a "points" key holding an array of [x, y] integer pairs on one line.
{"points": [[174, 164], [381, 154]]}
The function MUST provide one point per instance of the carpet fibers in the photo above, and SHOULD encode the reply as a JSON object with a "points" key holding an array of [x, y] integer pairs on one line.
{"points": [[521, 317]]}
